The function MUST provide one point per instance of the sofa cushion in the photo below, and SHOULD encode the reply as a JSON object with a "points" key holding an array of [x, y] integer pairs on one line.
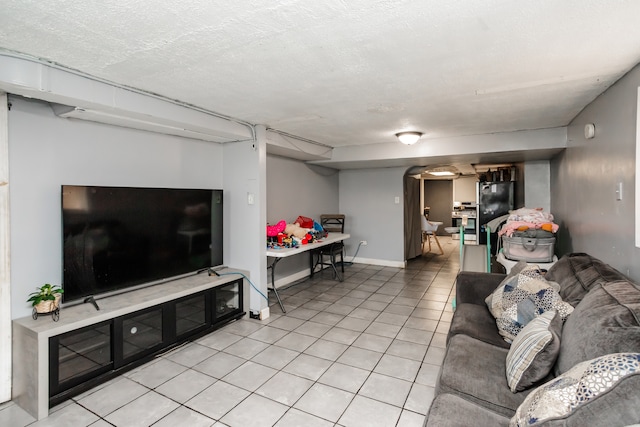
{"points": [[477, 322], [577, 273], [534, 351], [475, 371], [474, 287], [607, 320], [521, 298], [599, 392], [448, 410]]}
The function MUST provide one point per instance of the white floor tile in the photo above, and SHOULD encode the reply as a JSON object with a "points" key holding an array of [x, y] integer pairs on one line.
{"points": [[219, 365], [184, 417], [249, 376], [246, 348], [360, 358], [191, 354], [410, 419], [275, 357], [142, 412], [307, 366], [116, 395], [157, 373], [70, 415], [285, 388], [296, 418], [398, 367], [371, 413], [324, 401], [13, 415], [420, 398], [386, 389], [217, 400], [344, 377], [326, 349], [255, 411], [186, 385]]}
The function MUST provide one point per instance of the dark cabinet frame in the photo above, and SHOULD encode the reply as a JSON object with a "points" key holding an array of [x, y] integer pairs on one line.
{"points": [[205, 316]]}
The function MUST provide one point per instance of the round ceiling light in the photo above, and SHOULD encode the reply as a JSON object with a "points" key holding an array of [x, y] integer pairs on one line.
{"points": [[409, 138]]}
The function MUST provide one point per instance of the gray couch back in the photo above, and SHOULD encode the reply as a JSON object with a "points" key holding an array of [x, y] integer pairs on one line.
{"points": [[606, 318]]}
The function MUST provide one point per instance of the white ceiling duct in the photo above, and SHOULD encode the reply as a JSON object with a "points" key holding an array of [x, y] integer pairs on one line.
{"points": [[151, 124]]}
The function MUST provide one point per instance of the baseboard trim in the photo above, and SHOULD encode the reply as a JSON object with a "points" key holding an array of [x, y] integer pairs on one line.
{"points": [[382, 262]]}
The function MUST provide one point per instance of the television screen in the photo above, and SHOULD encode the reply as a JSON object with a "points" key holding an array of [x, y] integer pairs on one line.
{"points": [[120, 237]]}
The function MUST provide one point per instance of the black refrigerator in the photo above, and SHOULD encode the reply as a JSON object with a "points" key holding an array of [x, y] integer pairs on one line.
{"points": [[494, 199]]}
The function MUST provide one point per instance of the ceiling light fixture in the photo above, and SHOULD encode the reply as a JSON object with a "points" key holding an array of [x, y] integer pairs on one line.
{"points": [[441, 173], [409, 138]]}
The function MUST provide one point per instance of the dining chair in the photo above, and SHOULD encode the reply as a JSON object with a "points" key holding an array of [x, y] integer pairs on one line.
{"points": [[429, 229], [327, 255]]}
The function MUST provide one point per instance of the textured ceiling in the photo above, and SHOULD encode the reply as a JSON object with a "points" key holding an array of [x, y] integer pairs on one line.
{"points": [[346, 72]]}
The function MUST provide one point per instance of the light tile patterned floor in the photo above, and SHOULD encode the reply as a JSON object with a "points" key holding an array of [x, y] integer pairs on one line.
{"points": [[362, 352]]}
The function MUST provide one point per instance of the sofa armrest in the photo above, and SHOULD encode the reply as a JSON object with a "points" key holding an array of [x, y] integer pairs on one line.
{"points": [[474, 287]]}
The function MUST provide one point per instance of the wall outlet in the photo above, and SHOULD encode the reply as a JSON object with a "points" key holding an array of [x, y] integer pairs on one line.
{"points": [[363, 242]]}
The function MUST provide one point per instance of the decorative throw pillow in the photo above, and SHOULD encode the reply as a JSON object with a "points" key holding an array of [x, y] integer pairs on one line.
{"points": [[534, 351], [584, 385], [520, 299], [515, 270]]}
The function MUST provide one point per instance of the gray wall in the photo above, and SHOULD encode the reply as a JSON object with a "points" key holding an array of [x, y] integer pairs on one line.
{"points": [[368, 199], [537, 191], [46, 151], [295, 188], [244, 174], [438, 195], [584, 178]]}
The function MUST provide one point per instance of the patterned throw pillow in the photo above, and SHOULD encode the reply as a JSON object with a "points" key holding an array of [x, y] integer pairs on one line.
{"points": [[520, 299], [582, 385], [534, 351]]}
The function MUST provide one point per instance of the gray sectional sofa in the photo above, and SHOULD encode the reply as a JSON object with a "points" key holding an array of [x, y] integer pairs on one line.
{"points": [[473, 390]]}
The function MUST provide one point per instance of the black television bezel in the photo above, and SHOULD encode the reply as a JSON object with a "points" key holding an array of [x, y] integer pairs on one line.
{"points": [[91, 297]]}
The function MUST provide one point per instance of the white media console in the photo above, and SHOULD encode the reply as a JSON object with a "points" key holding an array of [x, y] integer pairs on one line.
{"points": [[53, 361]]}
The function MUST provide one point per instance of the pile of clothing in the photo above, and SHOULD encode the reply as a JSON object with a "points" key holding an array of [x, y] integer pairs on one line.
{"points": [[525, 219]]}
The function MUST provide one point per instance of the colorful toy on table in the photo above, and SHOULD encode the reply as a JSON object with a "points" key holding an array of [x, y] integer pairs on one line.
{"points": [[281, 241], [296, 230], [283, 235], [273, 230]]}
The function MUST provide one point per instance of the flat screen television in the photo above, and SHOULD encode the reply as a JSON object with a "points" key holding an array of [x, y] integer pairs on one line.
{"points": [[116, 238]]}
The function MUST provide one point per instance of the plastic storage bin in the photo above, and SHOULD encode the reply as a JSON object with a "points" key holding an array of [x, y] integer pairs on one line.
{"points": [[529, 249]]}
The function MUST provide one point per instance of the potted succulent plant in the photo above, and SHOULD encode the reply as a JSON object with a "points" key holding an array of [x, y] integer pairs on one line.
{"points": [[46, 299]]}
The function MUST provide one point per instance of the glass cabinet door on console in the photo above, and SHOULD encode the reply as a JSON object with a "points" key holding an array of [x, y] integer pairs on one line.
{"points": [[193, 314], [138, 334], [227, 300], [78, 355]]}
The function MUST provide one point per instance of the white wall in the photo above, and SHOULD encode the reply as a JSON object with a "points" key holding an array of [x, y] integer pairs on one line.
{"points": [[47, 151], [5, 259], [367, 198], [585, 176]]}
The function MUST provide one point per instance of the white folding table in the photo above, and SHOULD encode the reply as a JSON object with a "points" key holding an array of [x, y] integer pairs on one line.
{"points": [[278, 254]]}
